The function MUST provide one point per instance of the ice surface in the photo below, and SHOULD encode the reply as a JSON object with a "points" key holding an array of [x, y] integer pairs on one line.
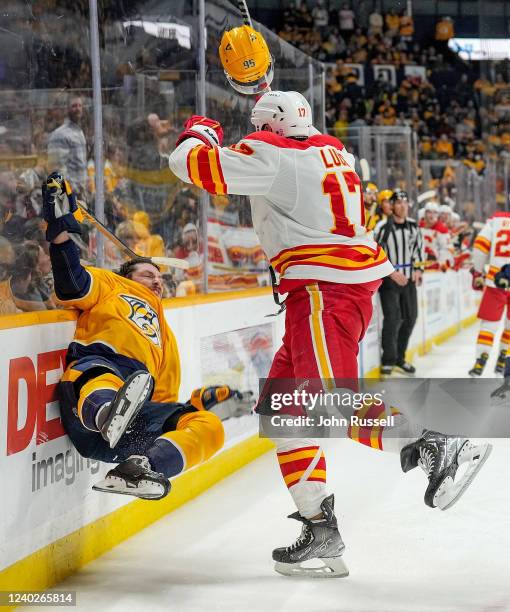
{"points": [[215, 552]]}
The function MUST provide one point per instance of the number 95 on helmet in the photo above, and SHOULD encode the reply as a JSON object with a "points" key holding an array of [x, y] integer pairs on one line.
{"points": [[246, 60]]}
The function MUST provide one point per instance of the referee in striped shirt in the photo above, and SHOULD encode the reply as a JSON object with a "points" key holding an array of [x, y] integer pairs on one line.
{"points": [[401, 238]]}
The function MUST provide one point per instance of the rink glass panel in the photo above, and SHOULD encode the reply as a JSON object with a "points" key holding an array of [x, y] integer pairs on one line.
{"points": [[149, 86], [235, 257], [44, 63], [390, 152], [148, 90]]}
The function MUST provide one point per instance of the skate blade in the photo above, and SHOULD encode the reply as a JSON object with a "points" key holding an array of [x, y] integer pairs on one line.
{"points": [[451, 491], [387, 376], [403, 373], [151, 491], [333, 567], [135, 394]]}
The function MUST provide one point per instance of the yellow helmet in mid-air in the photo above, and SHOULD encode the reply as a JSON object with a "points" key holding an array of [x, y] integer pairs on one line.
{"points": [[246, 59]]}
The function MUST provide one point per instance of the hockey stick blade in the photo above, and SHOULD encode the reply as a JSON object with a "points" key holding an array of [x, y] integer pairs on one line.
{"points": [[426, 195], [172, 262], [365, 169]]}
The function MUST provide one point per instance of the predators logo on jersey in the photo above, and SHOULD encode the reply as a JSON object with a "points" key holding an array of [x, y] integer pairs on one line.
{"points": [[145, 318]]}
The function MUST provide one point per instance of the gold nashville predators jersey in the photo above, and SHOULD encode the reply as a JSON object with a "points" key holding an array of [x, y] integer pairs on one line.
{"points": [[128, 318], [491, 249], [306, 200]]}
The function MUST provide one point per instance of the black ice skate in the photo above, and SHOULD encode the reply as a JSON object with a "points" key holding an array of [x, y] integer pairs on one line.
{"points": [[319, 541], [405, 368], [386, 371], [135, 477], [500, 363], [440, 457], [115, 418], [477, 369]]}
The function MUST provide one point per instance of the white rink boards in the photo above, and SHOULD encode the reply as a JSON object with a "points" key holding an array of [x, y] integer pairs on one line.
{"points": [[214, 553]]}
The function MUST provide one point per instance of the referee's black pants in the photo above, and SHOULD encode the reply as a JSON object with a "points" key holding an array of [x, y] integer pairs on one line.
{"points": [[400, 310]]}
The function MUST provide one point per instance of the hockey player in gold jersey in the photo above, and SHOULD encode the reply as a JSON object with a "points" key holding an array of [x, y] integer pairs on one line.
{"points": [[119, 392]]}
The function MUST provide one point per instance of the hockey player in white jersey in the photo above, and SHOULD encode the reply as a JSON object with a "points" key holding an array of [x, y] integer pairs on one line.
{"points": [[491, 251], [435, 238], [308, 213]]}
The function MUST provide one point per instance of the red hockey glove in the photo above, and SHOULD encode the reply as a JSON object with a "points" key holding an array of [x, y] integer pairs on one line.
{"points": [[207, 130], [206, 398], [477, 281]]}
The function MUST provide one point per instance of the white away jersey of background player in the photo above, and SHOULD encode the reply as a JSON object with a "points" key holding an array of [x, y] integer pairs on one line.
{"points": [[492, 246], [306, 200]]}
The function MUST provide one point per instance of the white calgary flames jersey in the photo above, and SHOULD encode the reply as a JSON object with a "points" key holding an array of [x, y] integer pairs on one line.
{"points": [[306, 200], [492, 246], [436, 240]]}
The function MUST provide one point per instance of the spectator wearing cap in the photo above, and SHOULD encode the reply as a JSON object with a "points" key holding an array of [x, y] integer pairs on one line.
{"points": [[401, 238], [384, 207]]}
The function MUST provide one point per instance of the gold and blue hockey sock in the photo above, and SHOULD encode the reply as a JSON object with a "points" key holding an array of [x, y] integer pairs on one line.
{"points": [[198, 435], [94, 394]]}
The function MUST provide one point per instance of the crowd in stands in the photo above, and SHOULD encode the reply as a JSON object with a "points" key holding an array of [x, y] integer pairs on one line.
{"points": [[443, 106], [145, 205]]}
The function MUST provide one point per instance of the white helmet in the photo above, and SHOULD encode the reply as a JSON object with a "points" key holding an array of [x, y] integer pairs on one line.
{"points": [[445, 209], [432, 207], [286, 113]]}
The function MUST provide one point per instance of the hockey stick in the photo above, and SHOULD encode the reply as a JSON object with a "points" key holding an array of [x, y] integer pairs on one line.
{"points": [[245, 13], [245, 16], [83, 214]]}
